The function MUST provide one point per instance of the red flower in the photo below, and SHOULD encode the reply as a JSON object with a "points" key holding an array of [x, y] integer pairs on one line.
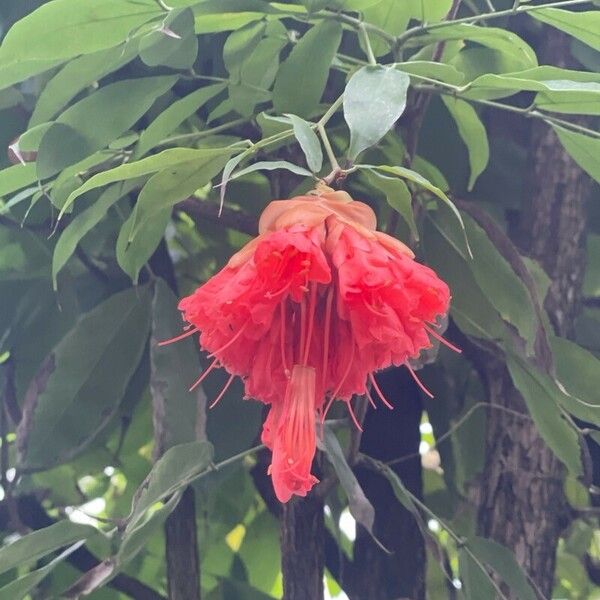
{"points": [[307, 312]]}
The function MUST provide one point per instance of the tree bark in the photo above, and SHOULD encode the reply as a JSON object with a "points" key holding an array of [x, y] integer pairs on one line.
{"points": [[521, 499], [302, 556], [181, 544], [388, 435]]}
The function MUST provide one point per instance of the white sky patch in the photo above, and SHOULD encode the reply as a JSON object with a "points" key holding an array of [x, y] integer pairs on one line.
{"points": [[348, 525], [109, 471], [424, 448], [84, 512], [433, 525]]}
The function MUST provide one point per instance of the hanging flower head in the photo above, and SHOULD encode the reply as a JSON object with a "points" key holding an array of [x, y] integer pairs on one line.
{"points": [[307, 312]]}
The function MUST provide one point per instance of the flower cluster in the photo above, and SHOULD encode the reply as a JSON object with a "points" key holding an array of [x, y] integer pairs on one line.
{"points": [[307, 312]]}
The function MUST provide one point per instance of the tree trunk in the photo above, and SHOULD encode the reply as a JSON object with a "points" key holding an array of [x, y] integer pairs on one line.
{"points": [[388, 435], [521, 498], [302, 533]]}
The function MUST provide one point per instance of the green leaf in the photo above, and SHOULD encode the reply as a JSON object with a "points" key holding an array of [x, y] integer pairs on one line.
{"points": [[132, 256], [360, 507], [173, 368], [136, 538], [20, 588], [476, 583], [374, 99], [173, 116], [64, 29], [540, 399], [389, 15], [473, 133], [16, 177], [33, 546], [585, 25], [502, 40], [169, 186], [145, 166], [239, 45], [415, 177], [298, 89], [176, 469], [309, 142], [93, 122], [173, 43], [75, 76], [499, 282], [228, 15], [503, 561], [16, 72], [584, 149], [71, 398], [272, 165], [257, 71], [83, 223], [398, 196], [579, 373], [432, 70]]}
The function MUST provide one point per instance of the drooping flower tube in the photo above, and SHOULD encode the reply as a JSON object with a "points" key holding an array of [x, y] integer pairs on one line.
{"points": [[307, 312]]}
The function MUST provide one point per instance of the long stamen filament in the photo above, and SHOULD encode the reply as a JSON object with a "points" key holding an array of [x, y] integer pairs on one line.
{"points": [[418, 381], [215, 402], [442, 340], [311, 321], [179, 337], [203, 376], [379, 392]]}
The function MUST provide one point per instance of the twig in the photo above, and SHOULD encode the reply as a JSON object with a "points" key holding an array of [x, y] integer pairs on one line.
{"points": [[426, 28], [452, 430]]}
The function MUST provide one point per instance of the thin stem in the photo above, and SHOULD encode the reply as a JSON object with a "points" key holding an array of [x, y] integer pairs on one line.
{"points": [[164, 6], [425, 28], [358, 23], [364, 36], [196, 135], [331, 111], [328, 149], [529, 112]]}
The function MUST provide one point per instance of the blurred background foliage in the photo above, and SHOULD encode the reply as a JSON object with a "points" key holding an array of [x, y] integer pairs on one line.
{"points": [[118, 119]]}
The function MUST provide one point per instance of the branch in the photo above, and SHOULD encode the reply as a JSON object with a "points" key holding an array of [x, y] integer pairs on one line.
{"points": [[426, 28]]}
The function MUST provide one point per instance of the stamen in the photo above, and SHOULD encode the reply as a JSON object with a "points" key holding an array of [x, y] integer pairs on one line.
{"points": [[370, 398], [311, 321], [231, 341], [351, 411], [302, 328], [326, 410], [347, 372], [444, 341], [418, 381], [229, 381], [179, 337], [326, 333], [282, 339], [203, 376], [378, 390]]}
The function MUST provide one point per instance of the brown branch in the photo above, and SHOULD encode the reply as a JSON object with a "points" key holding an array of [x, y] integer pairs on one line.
{"points": [[181, 543]]}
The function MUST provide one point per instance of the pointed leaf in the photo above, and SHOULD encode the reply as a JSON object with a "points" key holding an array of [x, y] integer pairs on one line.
{"points": [[71, 398], [309, 142], [374, 99], [298, 89], [584, 149], [473, 133]]}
